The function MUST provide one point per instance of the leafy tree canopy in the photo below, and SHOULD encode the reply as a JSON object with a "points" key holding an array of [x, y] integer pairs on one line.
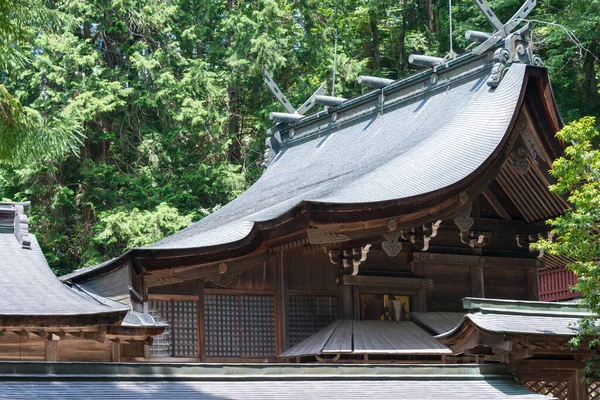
{"points": [[576, 233]]}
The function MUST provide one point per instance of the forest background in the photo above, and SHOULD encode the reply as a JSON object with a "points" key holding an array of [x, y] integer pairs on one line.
{"points": [[126, 120]]}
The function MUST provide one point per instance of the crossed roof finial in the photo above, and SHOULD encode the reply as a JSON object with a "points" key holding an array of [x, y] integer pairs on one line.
{"points": [[502, 30]]}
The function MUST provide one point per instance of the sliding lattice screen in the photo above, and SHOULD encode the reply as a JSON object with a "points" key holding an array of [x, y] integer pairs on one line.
{"points": [[161, 311], [309, 314], [239, 325], [181, 337], [185, 328]]}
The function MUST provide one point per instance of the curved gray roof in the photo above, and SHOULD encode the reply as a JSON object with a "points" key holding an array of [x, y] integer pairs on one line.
{"points": [[427, 137], [30, 289]]}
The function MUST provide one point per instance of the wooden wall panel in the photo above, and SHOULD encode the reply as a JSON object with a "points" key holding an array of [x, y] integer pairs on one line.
{"points": [[451, 283], [310, 270], [88, 350], [505, 283], [378, 260], [14, 348]]}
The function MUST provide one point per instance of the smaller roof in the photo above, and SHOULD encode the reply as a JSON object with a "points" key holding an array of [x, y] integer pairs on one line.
{"points": [[437, 322], [31, 294], [368, 337], [517, 317]]}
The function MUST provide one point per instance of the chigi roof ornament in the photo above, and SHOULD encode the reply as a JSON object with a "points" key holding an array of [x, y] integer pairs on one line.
{"points": [[518, 47]]}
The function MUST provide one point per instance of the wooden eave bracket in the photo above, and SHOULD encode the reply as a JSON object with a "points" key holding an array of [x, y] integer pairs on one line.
{"points": [[350, 259]]}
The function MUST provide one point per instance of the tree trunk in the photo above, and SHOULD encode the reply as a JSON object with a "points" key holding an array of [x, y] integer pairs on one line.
{"points": [[432, 16], [233, 126], [402, 49], [375, 32], [590, 85]]}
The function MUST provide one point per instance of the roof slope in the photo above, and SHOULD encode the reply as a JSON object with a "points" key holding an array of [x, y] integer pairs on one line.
{"points": [[429, 136], [368, 337], [30, 289], [252, 381]]}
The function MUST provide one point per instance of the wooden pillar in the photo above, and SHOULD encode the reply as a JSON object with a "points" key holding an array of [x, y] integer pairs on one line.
{"points": [[477, 281], [356, 303], [201, 339], [347, 301], [281, 269], [419, 301], [578, 390], [116, 351], [533, 284], [51, 350]]}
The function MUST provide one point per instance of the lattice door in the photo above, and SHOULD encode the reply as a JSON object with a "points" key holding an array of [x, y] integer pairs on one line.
{"points": [[258, 326], [557, 389], [239, 326], [594, 391], [308, 315], [221, 326], [185, 328], [161, 311]]}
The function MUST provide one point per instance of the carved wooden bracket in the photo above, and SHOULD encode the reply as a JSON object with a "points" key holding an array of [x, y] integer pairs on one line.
{"points": [[322, 236], [525, 241], [420, 236], [355, 257], [391, 245], [475, 239], [350, 259], [520, 163], [226, 279], [463, 219]]}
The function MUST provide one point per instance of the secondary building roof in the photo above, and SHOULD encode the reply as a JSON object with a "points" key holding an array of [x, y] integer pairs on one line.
{"points": [[368, 337], [32, 297], [252, 381], [519, 317], [31, 294]]}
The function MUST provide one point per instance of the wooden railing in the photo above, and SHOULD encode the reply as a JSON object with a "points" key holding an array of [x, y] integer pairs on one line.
{"points": [[555, 284]]}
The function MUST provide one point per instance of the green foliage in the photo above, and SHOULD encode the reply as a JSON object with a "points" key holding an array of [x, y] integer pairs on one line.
{"points": [[164, 101], [121, 229], [27, 134], [576, 232]]}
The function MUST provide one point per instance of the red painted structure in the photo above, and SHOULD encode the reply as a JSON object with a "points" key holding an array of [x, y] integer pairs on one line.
{"points": [[555, 284]]}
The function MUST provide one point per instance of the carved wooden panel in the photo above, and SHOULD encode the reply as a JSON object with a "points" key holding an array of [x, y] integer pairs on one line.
{"points": [[309, 314]]}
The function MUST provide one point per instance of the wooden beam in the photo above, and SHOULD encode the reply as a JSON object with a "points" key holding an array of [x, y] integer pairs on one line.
{"points": [[461, 259], [495, 203], [364, 280]]}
